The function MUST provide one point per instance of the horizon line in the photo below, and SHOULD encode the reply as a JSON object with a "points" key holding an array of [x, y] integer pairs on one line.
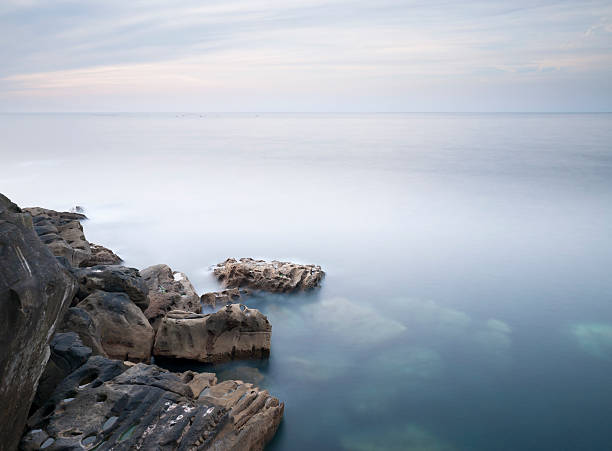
{"points": [[304, 112]]}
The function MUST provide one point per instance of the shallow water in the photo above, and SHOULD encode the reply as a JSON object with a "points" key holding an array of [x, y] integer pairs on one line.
{"points": [[467, 303]]}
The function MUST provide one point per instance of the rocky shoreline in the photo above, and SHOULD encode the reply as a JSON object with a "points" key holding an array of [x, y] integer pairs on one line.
{"points": [[79, 331]]}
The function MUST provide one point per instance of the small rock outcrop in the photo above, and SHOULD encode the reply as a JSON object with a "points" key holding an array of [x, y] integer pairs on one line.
{"points": [[274, 276], [106, 405], [79, 321], [67, 354], [168, 290], [35, 291], [234, 332], [113, 278], [219, 298], [101, 255], [124, 331], [62, 232]]}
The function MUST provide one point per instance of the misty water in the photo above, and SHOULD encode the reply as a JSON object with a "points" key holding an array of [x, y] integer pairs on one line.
{"points": [[468, 297]]}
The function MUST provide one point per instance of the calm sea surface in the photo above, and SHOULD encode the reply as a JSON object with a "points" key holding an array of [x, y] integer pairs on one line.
{"points": [[468, 297]]}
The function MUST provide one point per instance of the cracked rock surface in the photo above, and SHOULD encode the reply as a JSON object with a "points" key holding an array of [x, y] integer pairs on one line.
{"points": [[107, 404], [273, 276]]}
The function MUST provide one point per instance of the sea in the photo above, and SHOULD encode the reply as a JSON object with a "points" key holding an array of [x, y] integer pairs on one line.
{"points": [[467, 303]]}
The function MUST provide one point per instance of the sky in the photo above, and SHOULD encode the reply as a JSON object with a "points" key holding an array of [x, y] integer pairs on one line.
{"points": [[305, 55]]}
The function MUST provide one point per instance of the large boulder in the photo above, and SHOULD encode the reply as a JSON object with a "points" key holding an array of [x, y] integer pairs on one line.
{"points": [[274, 276], [113, 278], [101, 255], [62, 232], [79, 321], [35, 291], [124, 331], [67, 354], [168, 290], [234, 332], [106, 405]]}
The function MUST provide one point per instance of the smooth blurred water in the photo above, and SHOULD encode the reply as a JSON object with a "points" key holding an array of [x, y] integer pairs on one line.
{"points": [[468, 297]]}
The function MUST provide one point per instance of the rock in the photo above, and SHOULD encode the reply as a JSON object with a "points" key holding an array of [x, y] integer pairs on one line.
{"points": [[106, 405], [274, 276], [62, 233], [101, 255], [255, 415], [79, 321], [198, 381], [125, 332], [219, 298], [35, 291], [67, 354], [168, 290], [234, 332], [113, 278]]}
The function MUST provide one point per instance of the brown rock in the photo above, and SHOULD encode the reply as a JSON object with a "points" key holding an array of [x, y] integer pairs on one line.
{"points": [[219, 298], [274, 276], [168, 290], [125, 332], [62, 232], [234, 332], [101, 255]]}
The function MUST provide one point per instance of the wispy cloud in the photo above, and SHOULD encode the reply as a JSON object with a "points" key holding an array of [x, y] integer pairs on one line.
{"points": [[392, 51]]}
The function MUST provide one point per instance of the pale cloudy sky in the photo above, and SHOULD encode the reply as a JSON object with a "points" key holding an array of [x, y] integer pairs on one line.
{"points": [[305, 55]]}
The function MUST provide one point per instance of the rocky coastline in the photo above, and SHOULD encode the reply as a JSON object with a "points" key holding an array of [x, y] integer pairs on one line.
{"points": [[79, 334]]}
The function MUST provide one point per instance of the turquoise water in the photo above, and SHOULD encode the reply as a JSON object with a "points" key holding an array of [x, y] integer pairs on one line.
{"points": [[468, 297]]}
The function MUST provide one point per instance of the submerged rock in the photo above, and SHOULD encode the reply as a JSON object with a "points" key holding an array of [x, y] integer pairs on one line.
{"points": [[62, 232], [274, 276], [234, 332], [106, 405], [125, 332], [35, 291], [113, 278], [101, 255], [168, 290], [218, 298]]}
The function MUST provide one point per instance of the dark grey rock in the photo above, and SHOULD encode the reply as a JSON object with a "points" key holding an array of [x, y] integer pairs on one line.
{"points": [[113, 278], [35, 291], [67, 354], [79, 321]]}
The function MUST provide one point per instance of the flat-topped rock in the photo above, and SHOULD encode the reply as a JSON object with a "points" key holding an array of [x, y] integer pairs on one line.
{"points": [[124, 331], [234, 332], [62, 232], [273, 276], [168, 290], [35, 291], [107, 405]]}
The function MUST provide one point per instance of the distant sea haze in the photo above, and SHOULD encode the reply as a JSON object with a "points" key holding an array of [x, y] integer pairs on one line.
{"points": [[467, 302]]}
